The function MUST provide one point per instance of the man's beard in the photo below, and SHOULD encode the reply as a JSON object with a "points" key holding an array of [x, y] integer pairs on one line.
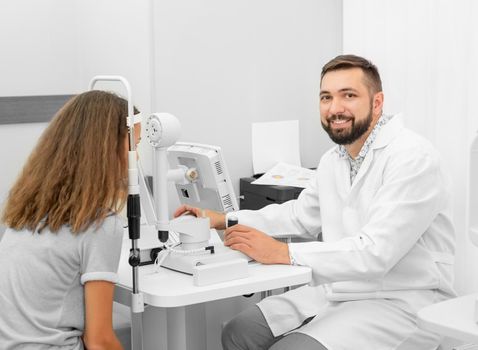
{"points": [[347, 136]]}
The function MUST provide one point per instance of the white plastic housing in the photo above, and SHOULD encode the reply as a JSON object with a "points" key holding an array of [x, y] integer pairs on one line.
{"points": [[213, 188], [162, 129], [193, 232]]}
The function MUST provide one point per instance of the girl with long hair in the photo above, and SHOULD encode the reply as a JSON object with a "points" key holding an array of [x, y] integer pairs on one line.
{"points": [[59, 255]]}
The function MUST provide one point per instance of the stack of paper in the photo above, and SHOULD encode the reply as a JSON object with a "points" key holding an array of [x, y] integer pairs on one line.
{"points": [[286, 175], [276, 151]]}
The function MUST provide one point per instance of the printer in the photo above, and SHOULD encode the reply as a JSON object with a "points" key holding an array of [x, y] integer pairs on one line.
{"points": [[258, 196]]}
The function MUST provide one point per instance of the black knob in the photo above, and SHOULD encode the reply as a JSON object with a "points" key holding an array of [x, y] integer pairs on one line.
{"points": [[231, 221], [134, 257], [154, 253], [163, 236]]}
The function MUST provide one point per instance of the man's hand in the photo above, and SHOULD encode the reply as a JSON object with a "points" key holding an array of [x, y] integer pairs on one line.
{"points": [[217, 220], [257, 245]]}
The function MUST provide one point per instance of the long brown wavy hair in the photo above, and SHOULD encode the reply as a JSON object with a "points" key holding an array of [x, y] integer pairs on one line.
{"points": [[76, 175]]}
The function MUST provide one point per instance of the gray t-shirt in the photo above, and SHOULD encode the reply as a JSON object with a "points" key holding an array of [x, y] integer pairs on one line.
{"points": [[41, 283]]}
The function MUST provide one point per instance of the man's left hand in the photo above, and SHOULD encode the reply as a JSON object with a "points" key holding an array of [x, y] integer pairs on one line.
{"points": [[257, 245]]}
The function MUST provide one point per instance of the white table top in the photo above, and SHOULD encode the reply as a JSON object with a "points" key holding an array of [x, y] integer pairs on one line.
{"points": [[171, 289], [453, 318]]}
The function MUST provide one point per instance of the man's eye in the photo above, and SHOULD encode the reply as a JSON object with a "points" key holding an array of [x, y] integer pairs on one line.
{"points": [[325, 98], [349, 95]]}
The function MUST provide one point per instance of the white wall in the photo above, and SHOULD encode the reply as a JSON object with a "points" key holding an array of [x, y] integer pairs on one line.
{"points": [[39, 57], [427, 53], [221, 65], [114, 37], [56, 47], [39, 47], [12, 155]]}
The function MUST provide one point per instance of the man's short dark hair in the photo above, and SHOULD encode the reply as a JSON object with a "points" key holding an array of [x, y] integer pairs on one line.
{"points": [[372, 77]]}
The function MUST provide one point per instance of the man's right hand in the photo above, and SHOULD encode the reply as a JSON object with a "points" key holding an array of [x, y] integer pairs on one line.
{"points": [[217, 220]]}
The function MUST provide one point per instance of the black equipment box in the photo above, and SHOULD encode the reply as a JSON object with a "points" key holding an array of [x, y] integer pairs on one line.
{"points": [[258, 196]]}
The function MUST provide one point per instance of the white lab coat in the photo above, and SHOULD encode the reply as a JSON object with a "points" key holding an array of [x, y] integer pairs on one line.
{"points": [[388, 235]]}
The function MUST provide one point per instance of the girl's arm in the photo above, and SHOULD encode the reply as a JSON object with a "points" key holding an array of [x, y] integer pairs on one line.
{"points": [[99, 333]]}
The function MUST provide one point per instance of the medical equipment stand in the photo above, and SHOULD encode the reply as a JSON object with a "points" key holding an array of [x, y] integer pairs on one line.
{"points": [[134, 216], [162, 131]]}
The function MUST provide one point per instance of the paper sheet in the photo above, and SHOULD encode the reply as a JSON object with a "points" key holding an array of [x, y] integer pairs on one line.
{"points": [[286, 175], [275, 142]]}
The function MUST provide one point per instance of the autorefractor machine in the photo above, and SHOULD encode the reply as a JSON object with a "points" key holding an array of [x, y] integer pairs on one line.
{"points": [[201, 179]]}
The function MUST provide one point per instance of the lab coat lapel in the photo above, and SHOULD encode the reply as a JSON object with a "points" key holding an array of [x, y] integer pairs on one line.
{"points": [[363, 168], [342, 176], [384, 137]]}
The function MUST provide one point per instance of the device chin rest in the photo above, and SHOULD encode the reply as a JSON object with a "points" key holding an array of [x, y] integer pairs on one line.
{"points": [[193, 232]]}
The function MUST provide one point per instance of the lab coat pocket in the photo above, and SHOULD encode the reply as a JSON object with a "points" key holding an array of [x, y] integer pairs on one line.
{"points": [[418, 270], [445, 264]]}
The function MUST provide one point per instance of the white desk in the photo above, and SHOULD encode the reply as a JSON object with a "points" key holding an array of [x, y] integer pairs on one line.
{"points": [[175, 291], [453, 318]]}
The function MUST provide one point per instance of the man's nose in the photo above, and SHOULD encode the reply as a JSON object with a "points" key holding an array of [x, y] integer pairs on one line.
{"points": [[336, 107]]}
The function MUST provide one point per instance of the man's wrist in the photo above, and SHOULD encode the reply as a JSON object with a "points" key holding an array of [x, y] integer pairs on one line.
{"points": [[223, 221], [284, 256]]}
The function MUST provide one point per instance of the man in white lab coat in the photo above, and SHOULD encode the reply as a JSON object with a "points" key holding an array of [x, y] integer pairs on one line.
{"points": [[382, 203]]}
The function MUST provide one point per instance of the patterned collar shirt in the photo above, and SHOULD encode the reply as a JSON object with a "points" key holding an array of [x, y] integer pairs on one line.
{"points": [[356, 163]]}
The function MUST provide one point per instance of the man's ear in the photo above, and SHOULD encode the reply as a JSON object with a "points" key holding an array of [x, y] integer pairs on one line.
{"points": [[378, 102]]}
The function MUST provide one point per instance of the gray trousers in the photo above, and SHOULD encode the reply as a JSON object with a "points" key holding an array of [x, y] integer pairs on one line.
{"points": [[249, 331]]}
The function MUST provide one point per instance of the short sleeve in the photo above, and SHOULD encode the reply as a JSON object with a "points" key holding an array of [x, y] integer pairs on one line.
{"points": [[100, 251]]}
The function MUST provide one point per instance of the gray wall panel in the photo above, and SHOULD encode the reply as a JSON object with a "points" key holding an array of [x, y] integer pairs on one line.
{"points": [[30, 109]]}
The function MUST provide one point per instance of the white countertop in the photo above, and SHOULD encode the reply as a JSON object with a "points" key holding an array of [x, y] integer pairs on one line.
{"points": [[168, 288], [453, 318]]}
